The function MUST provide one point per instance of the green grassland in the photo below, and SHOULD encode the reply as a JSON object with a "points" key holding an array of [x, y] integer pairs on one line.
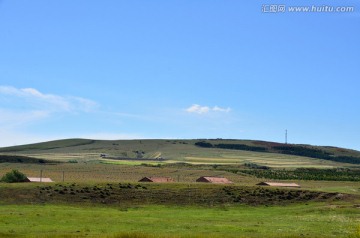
{"points": [[100, 197], [312, 220], [173, 210]]}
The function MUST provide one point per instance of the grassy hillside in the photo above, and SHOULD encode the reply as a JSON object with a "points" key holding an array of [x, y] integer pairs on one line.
{"points": [[50, 145], [191, 151], [319, 152]]}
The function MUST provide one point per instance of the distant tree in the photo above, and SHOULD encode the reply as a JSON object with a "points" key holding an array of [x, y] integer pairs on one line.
{"points": [[14, 177], [241, 147], [204, 144]]}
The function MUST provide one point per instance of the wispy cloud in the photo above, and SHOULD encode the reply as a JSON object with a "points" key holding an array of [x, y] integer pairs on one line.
{"points": [[219, 109], [195, 108], [22, 106], [33, 98]]}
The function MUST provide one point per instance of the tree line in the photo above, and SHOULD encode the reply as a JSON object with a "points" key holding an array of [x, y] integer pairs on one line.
{"points": [[285, 149], [305, 174]]}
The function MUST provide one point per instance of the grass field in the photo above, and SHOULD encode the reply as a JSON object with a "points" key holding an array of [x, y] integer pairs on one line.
{"points": [[312, 220], [173, 210], [100, 197]]}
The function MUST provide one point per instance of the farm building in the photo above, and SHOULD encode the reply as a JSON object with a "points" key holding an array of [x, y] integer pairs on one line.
{"points": [[42, 180], [156, 179], [293, 185], [209, 179]]}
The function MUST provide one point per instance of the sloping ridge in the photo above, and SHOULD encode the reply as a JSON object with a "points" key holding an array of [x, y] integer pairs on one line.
{"points": [[48, 145], [318, 152]]}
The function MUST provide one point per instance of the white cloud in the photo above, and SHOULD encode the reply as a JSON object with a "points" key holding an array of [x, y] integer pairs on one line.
{"points": [[195, 108], [49, 102], [20, 107]]}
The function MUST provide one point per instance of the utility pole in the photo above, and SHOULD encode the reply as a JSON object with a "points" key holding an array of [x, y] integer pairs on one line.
{"points": [[286, 136]]}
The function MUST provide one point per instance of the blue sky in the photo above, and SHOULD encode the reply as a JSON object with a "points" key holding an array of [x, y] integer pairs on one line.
{"points": [[179, 69]]}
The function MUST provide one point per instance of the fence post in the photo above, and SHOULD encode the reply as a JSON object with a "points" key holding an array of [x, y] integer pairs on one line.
{"points": [[189, 194]]}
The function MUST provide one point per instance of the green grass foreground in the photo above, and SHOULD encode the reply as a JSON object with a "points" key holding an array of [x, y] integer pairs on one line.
{"points": [[313, 220]]}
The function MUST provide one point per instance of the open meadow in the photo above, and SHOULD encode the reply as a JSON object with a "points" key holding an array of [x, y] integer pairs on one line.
{"points": [[312, 220], [94, 196]]}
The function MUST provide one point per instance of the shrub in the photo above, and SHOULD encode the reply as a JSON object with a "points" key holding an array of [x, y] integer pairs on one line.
{"points": [[73, 161], [14, 177]]}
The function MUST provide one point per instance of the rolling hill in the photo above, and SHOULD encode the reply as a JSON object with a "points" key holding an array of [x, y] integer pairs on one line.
{"points": [[197, 151]]}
